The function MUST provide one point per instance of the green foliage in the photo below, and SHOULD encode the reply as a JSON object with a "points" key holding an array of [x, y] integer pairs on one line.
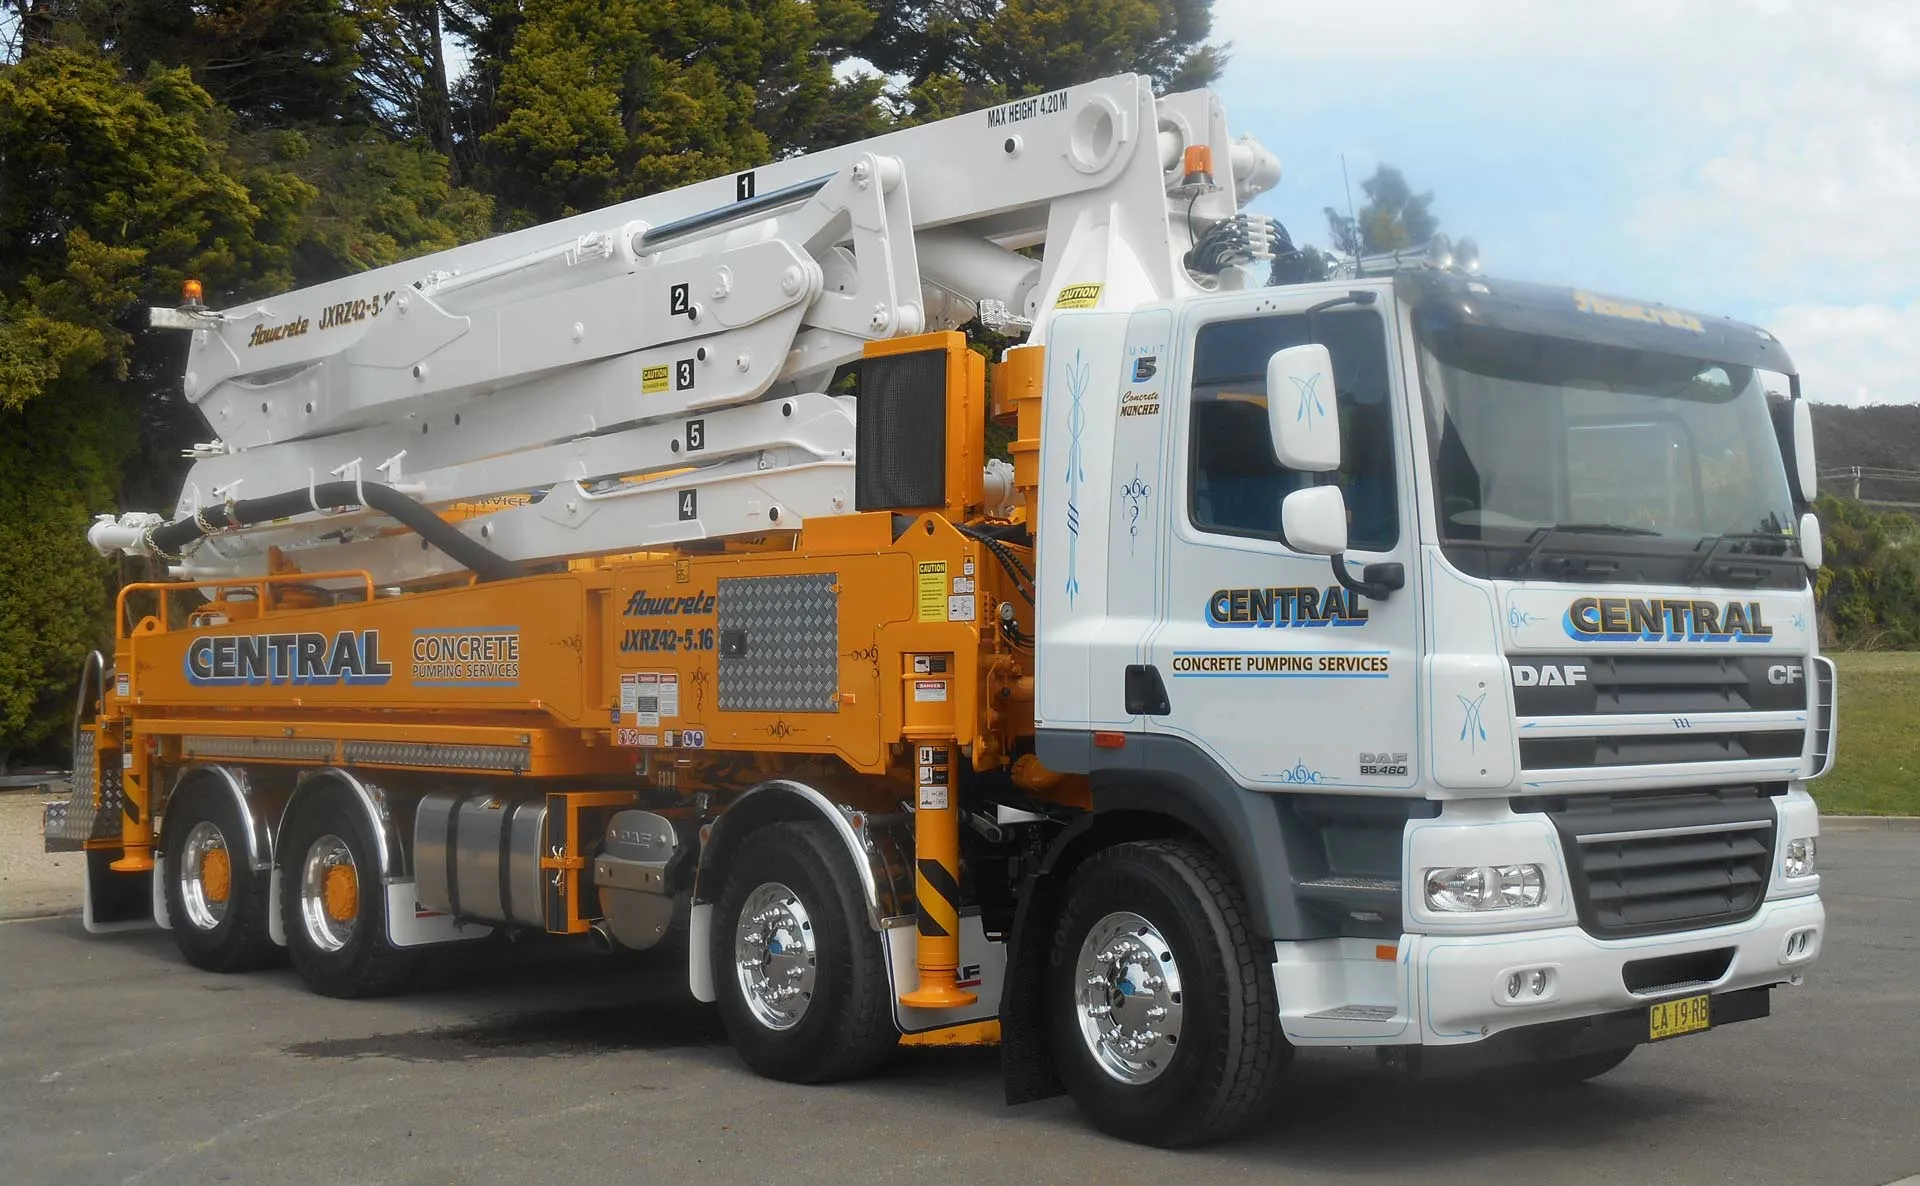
{"points": [[403, 70], [375, 201], [1393, 217], [1869, 589], [269, 62], [960, 54], [602, 101], [112, 191], [59, 456]]}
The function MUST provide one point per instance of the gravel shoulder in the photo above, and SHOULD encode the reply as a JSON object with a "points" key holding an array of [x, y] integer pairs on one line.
{"points": [[34, 883]]}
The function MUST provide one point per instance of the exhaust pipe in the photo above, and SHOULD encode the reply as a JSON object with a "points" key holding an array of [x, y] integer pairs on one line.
{"points": [[602, 937]]}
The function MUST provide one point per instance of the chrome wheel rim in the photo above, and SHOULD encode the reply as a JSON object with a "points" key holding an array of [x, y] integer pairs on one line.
{"points": [[324, 929], [205, 905], [775, 956], [1128, 998]]}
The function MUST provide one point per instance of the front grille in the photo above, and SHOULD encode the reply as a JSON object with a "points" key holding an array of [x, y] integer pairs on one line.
{"points": [[1670, 685], [1652, 864], [1689, 709], [1564, 753]]}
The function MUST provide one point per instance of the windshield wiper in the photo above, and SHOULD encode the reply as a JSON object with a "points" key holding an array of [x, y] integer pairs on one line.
{"points": [[1751, 576], [1525, 565]]}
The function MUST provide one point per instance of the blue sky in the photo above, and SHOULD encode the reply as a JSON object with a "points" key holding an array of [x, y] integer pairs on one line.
{"points": [[1756, 158]]}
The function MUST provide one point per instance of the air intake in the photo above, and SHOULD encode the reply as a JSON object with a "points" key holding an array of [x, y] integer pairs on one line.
{"points": [[901, 463], [1825, 714]]}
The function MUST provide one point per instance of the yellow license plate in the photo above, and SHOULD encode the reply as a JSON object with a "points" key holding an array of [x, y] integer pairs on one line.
{"points": [[1670, 1019]]}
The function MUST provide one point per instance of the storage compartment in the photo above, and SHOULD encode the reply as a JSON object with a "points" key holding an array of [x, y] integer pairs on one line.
{"points": [[478, 856]]}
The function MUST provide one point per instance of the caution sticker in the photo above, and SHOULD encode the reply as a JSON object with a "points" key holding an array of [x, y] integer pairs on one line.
{"points": [[1079, 296], [933, 590], [653, 379]]}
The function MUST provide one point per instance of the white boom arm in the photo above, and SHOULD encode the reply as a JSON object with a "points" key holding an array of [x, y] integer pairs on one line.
{"points": [[581, 361]]}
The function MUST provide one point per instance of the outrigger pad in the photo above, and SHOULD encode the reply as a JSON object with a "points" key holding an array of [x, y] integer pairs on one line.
{"points": [[116, 899]]}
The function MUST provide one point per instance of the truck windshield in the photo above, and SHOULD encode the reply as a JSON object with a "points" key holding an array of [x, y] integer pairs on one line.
{"points": [[1562, 459]]}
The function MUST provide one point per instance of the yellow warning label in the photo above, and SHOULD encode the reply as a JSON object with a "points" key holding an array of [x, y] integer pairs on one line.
{"points": [[933, 591], [1078, 296], [653, 379]]}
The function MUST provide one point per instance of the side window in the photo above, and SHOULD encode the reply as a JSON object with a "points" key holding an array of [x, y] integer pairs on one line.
{"points": [[1235, 485]]}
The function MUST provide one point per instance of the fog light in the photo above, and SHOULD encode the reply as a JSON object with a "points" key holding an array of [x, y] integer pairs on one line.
{"points": [[1526, 986], [1799, 945], [1799, 858], [1464, 889]]}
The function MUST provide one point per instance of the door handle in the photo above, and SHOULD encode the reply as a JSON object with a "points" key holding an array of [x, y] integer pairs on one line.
{"points": [[1146, 691]]}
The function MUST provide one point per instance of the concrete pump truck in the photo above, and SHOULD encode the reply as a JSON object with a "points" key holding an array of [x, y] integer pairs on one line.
{"points": [[1412, 660]]}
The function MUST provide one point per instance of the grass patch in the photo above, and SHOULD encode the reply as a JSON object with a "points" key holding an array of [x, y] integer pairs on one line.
{"points": [[1878, 769]]}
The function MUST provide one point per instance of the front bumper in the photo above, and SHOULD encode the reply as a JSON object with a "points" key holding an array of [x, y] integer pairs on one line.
{"points": [[1454, 990], [1461, 983]]}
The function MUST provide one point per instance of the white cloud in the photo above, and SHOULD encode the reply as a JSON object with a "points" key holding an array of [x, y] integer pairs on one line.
{"points": [[1854, 354], [1772, 147]]}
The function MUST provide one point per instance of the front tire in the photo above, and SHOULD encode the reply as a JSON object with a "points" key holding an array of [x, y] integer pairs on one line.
{"points": [[216, 902], [800, 977], [1163, 1014], [333, 905]]}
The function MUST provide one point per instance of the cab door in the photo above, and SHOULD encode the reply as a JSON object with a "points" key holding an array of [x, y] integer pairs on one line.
{"points": [[1252, 652]]}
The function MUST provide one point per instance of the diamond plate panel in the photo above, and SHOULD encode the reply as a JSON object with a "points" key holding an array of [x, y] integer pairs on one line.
{"points": [[66, 824], [787, 632]]}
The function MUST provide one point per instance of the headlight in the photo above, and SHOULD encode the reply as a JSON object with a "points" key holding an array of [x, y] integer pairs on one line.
{"points": [[1485, 887], [1799, 857]]}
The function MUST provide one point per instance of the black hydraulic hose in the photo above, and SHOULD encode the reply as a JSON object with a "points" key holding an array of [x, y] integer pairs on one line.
{"points": [[169, 538]]}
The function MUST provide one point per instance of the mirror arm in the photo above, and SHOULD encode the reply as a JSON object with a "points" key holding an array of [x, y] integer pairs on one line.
{"points": [[1376, 582]]}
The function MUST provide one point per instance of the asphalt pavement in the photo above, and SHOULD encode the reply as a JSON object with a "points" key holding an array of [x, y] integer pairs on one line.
{"points": [[530, 1065]]}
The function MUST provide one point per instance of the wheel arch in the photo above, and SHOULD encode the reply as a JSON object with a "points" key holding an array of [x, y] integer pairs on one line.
{"points": [[260, 805], [390, 849], [886, 884]]}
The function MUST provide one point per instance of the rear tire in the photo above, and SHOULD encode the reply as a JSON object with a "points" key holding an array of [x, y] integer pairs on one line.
{"points": [[333, 903], [799, 973], [216, 901], [1564, 1072], [1162, 1009]]}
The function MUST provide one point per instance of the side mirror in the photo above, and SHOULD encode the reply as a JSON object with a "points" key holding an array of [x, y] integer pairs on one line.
{"points": [[1811, 549], [1805, 474], [1301, 413], [1314, 520]]}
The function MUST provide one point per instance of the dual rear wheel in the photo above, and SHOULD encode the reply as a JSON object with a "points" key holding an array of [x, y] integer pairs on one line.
{"points": [[332, 901]]}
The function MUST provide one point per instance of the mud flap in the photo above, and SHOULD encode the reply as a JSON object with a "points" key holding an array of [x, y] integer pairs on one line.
{"points": [[118, 901], [1026, 1058]]}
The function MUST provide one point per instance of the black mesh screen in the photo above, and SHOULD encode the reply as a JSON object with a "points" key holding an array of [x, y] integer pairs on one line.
{"points": [[902, 434]]}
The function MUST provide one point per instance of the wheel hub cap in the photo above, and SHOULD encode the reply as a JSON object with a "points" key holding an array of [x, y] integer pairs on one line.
{"points": [[1128, 997], [775, 956], [206, 876], [329, 893]]}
